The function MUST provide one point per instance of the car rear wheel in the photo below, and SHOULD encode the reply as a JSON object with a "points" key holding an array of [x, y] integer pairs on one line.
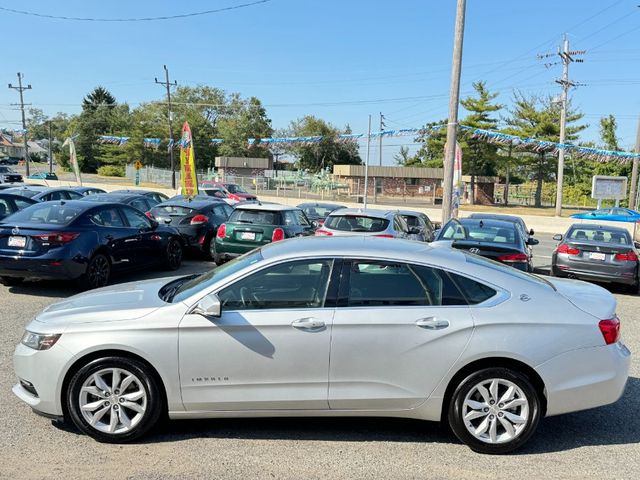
{"points": [[11, 281], [114, 399], [494, 410], [98, 272], [173, 254]]}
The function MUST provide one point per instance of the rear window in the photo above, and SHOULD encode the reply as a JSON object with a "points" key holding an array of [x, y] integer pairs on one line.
{"points": [[257, 217], [235, 188], [172, 211], [317, 211], [502, 268], [47, 213], [600, 236], [356, 223], [475, 232]]}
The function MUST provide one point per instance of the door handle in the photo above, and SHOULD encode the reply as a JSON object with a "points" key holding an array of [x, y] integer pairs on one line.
{"points": [[308, 324], [432, 323]]}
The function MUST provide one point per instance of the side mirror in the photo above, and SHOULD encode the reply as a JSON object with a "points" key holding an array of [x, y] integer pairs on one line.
{"points": [[315, 224], [437, 226], [208, 307], [636, 244], [558, 237], [531, 232], [533, 241]]}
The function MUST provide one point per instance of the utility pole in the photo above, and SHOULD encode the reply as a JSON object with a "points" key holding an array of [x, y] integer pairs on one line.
{"points": [[634, 172], [168, 86], [366, 165], [21, 89], [566, 57], [382, 127], [50, 148], [452, 124]]}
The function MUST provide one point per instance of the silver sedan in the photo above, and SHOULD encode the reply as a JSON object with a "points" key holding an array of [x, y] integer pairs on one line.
{"points": [[339, 326]]}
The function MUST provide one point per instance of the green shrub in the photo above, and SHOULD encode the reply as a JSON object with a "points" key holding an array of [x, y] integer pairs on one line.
{"points": [[111, 171]]}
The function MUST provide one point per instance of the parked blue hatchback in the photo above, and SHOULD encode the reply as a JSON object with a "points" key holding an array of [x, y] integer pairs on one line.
{"points": [[616, 214]]}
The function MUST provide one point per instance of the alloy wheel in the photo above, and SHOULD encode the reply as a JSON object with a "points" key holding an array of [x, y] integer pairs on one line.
{"points": [[495, 411], [98, 271], [174, 254], [113, 400]]}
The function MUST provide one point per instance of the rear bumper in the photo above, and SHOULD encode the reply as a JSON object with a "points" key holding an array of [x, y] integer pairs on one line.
{"points": [[230, 249], [585, 378], [563, 270], [44, 268]]}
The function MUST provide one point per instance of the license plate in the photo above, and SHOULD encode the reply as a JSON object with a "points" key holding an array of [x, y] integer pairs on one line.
{"points": [[247, 236], [17, 241], [597, 256]]}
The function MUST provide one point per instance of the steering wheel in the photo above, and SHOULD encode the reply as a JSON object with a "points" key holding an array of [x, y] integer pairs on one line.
{"points": [[247, 297]]}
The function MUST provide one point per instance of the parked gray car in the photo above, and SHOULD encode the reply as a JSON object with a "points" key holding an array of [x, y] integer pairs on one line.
{"points": [[342, 326], [369, 222], [596, 252]]}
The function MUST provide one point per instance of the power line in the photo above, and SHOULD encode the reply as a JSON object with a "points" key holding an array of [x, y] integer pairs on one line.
{"points": [[168, 86], [21, 89], [140, 19]]}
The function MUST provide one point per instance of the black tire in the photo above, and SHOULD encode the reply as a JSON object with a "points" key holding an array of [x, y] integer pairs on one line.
{"points": [[173, 254], [98, 273], [11, 281], [498, 416], [152, 404], [210, 248]]}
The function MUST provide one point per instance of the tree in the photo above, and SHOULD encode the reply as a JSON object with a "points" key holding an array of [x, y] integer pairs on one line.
{"points": [[99, 97], [244, 121], [402, 157], [539, 118], [480, 155], [608, 126], [431, 154], [327, 152]]}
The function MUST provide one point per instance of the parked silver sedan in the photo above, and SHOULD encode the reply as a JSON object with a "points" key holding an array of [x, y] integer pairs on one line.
{"points": [[343, 326]]}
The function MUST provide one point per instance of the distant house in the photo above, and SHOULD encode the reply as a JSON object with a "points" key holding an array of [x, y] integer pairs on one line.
{"points": [[14, 147]]}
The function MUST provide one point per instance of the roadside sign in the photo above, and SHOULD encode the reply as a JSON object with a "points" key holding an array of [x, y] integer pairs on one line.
{"points": [[137, 165]]}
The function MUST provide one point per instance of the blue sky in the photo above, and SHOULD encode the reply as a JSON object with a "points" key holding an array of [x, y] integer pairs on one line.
{"points": [[340, 60]]}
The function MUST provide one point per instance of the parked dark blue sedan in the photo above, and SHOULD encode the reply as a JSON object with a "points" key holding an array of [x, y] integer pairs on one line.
{"points": [[84, 241]]}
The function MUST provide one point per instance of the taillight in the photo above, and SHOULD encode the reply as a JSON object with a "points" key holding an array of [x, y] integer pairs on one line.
{"points": [[629, 256], [514, 258], [149, 215], [610, 330], [233, 196], [55, 237], [222, 231], [564, 248], [385, 235], [199, 220], [278, 234], [320, 232]]}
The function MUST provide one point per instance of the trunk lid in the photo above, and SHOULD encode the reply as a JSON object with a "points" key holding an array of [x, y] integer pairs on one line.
{"points": [[587, 297], [31, 241]]}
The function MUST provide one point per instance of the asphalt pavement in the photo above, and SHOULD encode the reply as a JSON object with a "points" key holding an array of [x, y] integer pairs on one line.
{"points": [[601, 443]]}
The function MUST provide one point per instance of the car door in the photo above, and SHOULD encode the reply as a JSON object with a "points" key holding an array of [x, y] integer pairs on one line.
{"points": [[115, 234], [145, 243], [396, 332], [269, 349]]}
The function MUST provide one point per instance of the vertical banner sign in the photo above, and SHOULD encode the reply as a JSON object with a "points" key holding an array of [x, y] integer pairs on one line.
{"points": [[188, 179], [73, 158], [457, 182]]}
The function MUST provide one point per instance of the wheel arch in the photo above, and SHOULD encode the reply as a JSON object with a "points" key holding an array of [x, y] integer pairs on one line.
{"points": [[494, 362], [111, 352]]}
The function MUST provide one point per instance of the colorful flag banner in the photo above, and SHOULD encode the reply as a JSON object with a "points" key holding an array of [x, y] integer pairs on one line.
{"points": [[151, 143], [112, 140], [188, 177], [73, 158]]}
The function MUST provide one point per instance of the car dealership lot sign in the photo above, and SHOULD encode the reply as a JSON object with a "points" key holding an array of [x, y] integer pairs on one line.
{"points": [[604, 187]]}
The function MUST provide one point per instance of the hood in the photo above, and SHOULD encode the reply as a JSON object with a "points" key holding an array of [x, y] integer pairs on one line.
{"points": [[127, 301], [587, 297]]}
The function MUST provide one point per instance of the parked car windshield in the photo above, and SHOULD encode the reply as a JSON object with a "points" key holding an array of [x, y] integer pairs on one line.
{"points": [[315, 211], [257, 217], [356, 223], [600, 235], [46, 213], [183, 288], [476, 232], [235, 188]]}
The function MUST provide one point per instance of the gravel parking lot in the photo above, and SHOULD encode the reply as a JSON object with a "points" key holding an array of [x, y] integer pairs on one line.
{"points": [[602, 443]]}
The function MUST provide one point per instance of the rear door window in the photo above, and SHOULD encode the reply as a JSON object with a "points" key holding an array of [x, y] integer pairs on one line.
{"points": [[107, 217], [135, 219]]}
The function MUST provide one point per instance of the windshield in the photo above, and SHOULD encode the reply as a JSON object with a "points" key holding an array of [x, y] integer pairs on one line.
{"points": [[46, 213], [257, 217], [599, 235], [356, 223], [479, 232], [502, 268], [185, 287], [233, 188], [22, 192]]}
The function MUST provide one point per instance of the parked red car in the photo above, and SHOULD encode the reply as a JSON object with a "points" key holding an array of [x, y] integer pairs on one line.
{"points": [[233, 190]]}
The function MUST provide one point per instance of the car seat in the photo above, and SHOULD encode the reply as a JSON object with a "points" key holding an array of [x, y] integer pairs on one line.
{"points": [[598, 237], [581, 235]]}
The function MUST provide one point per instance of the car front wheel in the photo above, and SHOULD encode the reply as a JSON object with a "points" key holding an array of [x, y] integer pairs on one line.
{"points": [[173, 258], [114, 399], [494, 410]]}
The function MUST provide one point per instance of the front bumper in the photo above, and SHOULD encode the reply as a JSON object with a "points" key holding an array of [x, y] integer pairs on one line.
{"points": [[42, 369], [585, 378]]}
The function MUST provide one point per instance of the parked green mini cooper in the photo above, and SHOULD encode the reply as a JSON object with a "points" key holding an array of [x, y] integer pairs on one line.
{"points": [[253, 225]]}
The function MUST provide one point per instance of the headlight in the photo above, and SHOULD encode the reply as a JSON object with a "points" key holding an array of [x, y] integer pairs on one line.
{"points": [[39, 341]]}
